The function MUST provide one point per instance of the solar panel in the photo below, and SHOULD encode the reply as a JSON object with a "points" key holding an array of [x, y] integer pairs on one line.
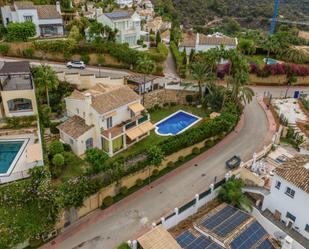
{"points": [[266, 244], [230, 224], [214, 245], [185, 239], [200, 243], [249, 237], [117, 14], [216, 219]]}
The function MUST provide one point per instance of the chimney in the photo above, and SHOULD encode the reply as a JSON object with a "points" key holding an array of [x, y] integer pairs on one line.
{"points": [[88, 102], [287, 243], [58, 7]]}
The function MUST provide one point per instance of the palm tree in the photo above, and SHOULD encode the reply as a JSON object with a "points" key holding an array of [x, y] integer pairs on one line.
{"points": [[146, 66], [293, 55], [204, 75], [46, 79], [272, 45]]}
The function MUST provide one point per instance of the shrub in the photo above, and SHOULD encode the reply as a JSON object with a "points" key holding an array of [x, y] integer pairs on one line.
{"points": [[177, 55], [53, 127], [124, 190], [108, 201], [170, 164], [123, 246], [139, 182], [67, 147], [56, 46], [155, 172], [58, 160], [209, 143], [20, 31], [55, 147], [69, 157], [181, 159], [155, 155], [195, 151], [28, 52], [85, 58], [4, 48]]}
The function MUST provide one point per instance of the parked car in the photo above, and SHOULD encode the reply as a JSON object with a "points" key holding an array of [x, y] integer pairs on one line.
{"points": [[76, 64], [233, 162]]}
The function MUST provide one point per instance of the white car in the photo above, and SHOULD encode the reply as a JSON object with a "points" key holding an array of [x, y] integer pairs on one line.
{"points": [[76, 64]]}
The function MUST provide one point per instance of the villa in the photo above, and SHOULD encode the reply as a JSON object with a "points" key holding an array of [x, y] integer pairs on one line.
{"points": [[20, 149], [110, 118], [127, 24], [125, 3], [201, 43], [47, 18]]}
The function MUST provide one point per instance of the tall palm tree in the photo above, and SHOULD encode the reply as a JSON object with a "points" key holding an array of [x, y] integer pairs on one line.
{"points": [[46, 80], [146, 66], [272, 45]]}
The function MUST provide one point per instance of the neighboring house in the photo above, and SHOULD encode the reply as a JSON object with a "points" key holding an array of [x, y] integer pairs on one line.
{"points": [[143, 84], [17, 90], [47, 18], [127, 24], [201, 43], [288, 200], [125, 3], [156, 25], [165, 36], [110, 118]]}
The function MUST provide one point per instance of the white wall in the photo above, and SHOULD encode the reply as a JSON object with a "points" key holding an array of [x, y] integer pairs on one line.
{"points": [[297, 206]]}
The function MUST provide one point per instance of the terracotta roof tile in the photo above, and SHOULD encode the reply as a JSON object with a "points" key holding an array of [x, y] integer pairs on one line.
{"points": [[217, 40], [24, 5], [74, 127], [296, 171], [48, 12], [188, 39]]}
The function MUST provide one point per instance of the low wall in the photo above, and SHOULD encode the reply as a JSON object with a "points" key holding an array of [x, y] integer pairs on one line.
{"points": [[162, 96], [88, 80], [277, 80]]}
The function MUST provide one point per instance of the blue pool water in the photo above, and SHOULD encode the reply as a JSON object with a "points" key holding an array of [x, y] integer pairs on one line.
{"points": [[270, 61], [176, 123], [8, 152]]}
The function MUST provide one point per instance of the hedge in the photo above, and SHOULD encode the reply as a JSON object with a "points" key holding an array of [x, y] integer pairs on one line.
{"points": [[55, 46], [177, 55], [4, 48]]}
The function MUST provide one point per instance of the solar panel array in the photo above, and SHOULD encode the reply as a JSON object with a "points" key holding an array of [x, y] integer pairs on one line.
{"points": [[225, 221], [188, 241], [249, 237], [266, 244], [117, 14]]}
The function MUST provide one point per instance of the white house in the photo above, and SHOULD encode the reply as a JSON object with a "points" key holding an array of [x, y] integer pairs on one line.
{"points": [[289, 194], [47, 18], [127, 24], [125, 3], [106, 117], [201, 43]]}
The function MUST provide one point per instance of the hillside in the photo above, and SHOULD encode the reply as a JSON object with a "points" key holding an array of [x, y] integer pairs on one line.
{"points": [[199, 12]]}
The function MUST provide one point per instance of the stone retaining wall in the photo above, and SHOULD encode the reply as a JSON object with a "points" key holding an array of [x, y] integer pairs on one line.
{"points": [[277, 80]]}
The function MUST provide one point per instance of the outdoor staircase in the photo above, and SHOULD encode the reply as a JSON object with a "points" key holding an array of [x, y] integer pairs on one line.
{"points": [[257, 190]]}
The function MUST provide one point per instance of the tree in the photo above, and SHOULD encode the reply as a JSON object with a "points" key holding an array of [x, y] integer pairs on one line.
{"points": [[20, 31], [272, 45], [55, 147], [99, 32], [58, 160], [46, 80], [246, 46], [158, 38], [291, 79], [4, 48], [97, 159], [45, 111], [155, 155], [75, 34], [231, 192], [146, 66], [293, 55]]}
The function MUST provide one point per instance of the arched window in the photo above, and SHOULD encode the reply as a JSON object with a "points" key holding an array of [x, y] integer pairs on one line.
{"points": [[89, 143], [19, 104]]}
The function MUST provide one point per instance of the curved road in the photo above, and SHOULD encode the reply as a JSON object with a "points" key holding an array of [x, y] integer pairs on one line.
{"points": [[136, 214]]}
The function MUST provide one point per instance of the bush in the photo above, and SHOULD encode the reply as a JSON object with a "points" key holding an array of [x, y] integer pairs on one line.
{"points": [[209, 143], [170, 164], [85, 58], [58, 160], [123, 190], [19, 122], [139, 182], [28, 53], [4, 48], [56, 147], [155, 172], [108, 201], [20, 31], [177, 55], [53, 127], [195, 151], [56, 46], [67, 147], [69, 157], [181, 159]]}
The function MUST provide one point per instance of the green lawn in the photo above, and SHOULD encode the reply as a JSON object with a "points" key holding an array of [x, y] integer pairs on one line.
{"points": [[73, 169], [155, 117]]}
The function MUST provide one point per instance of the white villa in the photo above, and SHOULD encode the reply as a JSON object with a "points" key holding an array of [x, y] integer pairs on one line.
{"points": [[127, 23], [110, 118], [201, 43], [288, 200], [125, 3], [47, 18]]}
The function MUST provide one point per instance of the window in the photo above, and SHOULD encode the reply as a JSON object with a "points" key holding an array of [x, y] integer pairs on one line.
{"points": [[28, 18], [109, 122], [89, 143], [290, 216], [278, 184], [290, 192], [20, 104], [307, 228], [71, 141], [132, 114]]}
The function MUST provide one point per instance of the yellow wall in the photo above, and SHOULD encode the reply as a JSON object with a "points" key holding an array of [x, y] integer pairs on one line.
{"points": [[9, 95]]}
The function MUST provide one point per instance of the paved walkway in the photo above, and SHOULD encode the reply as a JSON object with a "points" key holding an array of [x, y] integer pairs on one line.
{"points": [[133, 215]]}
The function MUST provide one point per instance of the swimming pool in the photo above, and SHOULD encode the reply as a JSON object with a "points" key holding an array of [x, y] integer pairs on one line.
{"points": [[9, 152], [270, 61], [176, 123]]}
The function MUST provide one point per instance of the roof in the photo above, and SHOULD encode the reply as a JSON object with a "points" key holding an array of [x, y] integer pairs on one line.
{"points": [[74, 127], [141, 79], [189, 39], [113, 99], [305, 145], [304, 35], [158, 238], [48, 12], [296, 171], [16, 67], [118, 15], [24, 5]]}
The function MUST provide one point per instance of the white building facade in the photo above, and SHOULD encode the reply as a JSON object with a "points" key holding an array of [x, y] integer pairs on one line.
{"points": [[127, 24], [47, 18], [125, 3], [288, 200]]}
